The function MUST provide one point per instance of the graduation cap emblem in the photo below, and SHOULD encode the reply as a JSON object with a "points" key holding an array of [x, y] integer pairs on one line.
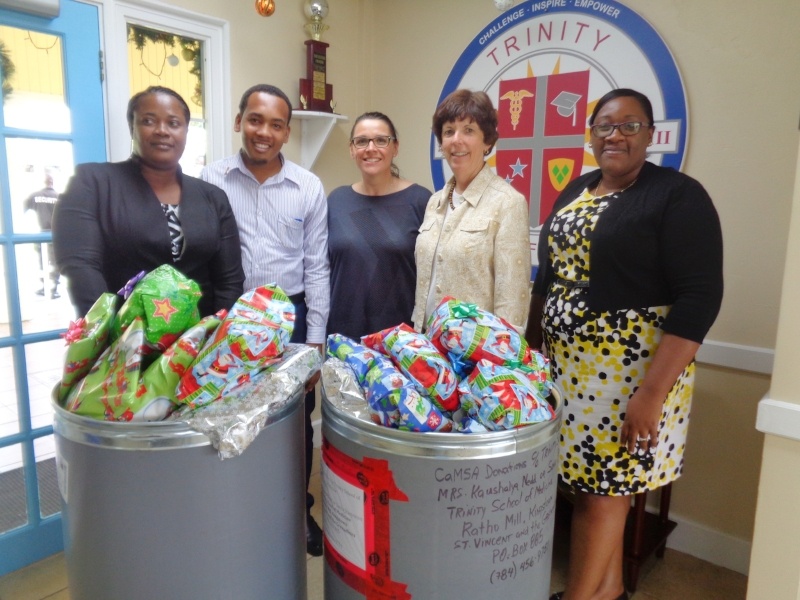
{"points": [[565, 104]]}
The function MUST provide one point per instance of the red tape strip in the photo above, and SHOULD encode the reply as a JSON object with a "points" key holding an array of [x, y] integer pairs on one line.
{"points": [[375, 479]]}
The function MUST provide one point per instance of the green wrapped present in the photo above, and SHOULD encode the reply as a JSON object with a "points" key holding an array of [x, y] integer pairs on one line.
{"points": [[165, 300], [112, 381], [86, 338], [155, 397]]}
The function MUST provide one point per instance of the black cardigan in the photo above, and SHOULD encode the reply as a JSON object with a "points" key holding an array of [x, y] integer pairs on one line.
{"points": [[108, 226], [658, 243]]}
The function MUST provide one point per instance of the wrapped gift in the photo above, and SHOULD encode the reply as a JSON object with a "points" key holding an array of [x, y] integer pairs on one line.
{"points": [[501, 397], [108, 391], [86, 339], [467, 334], [357, 356], [420, 361], [166, 302], [252, 336], [393, 400], [157, 387]]}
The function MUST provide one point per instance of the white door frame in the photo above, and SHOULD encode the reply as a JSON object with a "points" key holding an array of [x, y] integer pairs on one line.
{"points": [[215, 35]]}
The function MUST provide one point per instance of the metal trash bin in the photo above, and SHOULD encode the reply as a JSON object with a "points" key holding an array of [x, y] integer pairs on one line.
{"points": [[150, 510], [437, 516]]}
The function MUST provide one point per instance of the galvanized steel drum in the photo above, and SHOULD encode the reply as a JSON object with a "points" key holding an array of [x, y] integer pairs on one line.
{"points": [[437, 516], [150, 511]]}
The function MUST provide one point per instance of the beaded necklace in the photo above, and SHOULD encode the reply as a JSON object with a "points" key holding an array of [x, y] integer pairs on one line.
{"points": [[450, 196]]}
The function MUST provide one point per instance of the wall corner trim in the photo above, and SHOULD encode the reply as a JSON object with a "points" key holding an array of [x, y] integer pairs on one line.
{"points": [[777, 417], [737, 356]]}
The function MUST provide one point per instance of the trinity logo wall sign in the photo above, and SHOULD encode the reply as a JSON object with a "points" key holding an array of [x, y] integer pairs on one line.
{"points": [[545, 64]]}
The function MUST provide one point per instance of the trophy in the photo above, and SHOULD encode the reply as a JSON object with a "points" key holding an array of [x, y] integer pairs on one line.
{"points": [[315, 92]]}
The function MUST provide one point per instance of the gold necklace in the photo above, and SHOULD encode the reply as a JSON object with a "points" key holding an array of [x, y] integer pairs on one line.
{"points": [[599, 183]]}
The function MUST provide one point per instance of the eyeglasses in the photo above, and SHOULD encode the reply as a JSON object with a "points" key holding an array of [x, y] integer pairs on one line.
{"points": [[380, 141], [606, 129]]}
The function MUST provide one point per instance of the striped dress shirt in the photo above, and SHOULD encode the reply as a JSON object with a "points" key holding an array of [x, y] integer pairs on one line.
{"points": [[283, 227]]}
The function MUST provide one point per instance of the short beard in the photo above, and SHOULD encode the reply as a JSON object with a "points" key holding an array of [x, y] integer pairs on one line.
{"points": [[250, 160]]}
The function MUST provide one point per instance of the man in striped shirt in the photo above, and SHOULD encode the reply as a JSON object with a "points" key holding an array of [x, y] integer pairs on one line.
{"points": [[281, 212]]}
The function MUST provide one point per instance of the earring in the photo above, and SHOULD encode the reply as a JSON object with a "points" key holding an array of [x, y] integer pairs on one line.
{"points": [[650, 144], [487, 151]]}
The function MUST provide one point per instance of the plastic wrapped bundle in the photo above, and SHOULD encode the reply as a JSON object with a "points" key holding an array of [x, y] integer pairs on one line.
{"points": [[236, 419], [501, 397], [420, 361], [341, 387]]}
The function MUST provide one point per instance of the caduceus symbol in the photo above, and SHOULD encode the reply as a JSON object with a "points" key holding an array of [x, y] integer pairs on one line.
{"points": [[516, 97]]}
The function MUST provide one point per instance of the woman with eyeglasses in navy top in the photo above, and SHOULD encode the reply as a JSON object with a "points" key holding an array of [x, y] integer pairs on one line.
{"points": [[372, 229]]}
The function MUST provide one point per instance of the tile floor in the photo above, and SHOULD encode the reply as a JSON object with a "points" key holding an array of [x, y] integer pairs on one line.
{"points": [[677, 576]]}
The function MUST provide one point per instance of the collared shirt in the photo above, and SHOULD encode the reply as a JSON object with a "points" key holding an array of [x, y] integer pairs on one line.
{"points": [[481, 251], [283, 227]]}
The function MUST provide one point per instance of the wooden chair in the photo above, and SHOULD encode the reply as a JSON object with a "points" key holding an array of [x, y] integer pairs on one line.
{"points": [[645, 533]]}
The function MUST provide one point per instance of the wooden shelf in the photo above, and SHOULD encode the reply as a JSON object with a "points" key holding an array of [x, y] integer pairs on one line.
{"points": [[316, 128]]}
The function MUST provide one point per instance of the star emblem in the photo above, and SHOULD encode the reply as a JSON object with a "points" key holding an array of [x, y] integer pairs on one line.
{"points": [[517, 168], [164, 309]]}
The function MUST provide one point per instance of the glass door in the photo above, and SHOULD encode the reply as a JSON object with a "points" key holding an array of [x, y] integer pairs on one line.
{"points": [[165, 58], [51, 119]]}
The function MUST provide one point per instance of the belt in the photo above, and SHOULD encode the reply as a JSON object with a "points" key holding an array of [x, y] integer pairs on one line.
{"points": [[300, 298], [571, 283]]}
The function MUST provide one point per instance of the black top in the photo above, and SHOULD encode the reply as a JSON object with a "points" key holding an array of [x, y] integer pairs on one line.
{"points": [[43, 202], [371, 243], [658, 243], [108, 226]]}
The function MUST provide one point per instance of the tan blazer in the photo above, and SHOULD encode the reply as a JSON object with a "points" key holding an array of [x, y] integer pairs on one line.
{"points": [[482, 250]]}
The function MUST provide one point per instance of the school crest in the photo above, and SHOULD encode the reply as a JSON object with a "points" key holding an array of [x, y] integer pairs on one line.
{"points": [[545, 63]]}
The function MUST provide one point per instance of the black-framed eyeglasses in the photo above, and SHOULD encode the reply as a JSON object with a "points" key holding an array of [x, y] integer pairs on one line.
{"points": [[606, 129], [380, 141]]}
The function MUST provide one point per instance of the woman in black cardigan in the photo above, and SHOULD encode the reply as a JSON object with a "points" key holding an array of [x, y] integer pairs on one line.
{"points": [[117, 219], [630, 281]]}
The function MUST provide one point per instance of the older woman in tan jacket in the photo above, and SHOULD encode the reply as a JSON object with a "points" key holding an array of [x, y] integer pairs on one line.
{"points": [[474, 242]]}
